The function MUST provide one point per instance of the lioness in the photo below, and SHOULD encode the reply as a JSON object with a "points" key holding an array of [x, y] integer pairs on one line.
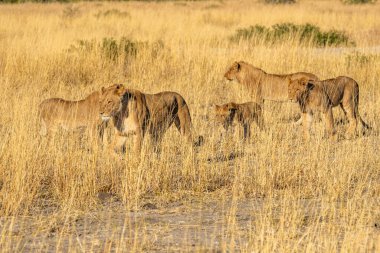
{"points": [[245, 114], [135, 113], [71, 115], [323, 96], [261, 85]]}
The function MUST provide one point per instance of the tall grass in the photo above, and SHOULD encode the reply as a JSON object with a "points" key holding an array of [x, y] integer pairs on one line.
{"points": [[315, 196]]}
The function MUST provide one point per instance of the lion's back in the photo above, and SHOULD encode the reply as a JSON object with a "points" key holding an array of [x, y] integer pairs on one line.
{"points": [[341, 86], [165, 98], [70, 113], [306, 75]]}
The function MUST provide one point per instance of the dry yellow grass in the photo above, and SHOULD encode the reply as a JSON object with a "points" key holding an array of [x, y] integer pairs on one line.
{"points": [[319, 196]]}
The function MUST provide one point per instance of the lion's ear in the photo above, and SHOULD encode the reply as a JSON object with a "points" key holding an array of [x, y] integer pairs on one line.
{"points": [[309, 86], [119, 86], [231, 106], [120, 89], [238, 66], [304, 80], [216, 107], [126, 96]]}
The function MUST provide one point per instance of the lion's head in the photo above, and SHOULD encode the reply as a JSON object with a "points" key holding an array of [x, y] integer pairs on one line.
{"points": [[110, 101], [298, 87], [224, 114], [233, 72]]}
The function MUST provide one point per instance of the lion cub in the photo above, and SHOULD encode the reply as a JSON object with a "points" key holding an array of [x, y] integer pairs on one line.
{"points": [[245, 114], [323, 96]]}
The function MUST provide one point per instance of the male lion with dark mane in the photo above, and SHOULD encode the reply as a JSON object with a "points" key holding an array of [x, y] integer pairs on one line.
{"points": [[261, 85], [58, 113], [135, 113], [323, 96]]}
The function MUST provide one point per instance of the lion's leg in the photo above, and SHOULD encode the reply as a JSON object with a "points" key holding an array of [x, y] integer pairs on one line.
{"points": [[247, 131], [119, 144], [44, 128], [259, 120], [329, 119], [100, 131], [352, 119], [94, 134], [344, 110], [137, 142], [260, 115], [102, 134], [51, 132], [307, 119], [156, 142]]}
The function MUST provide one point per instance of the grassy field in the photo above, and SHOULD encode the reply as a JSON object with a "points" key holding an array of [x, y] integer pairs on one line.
{"points": [[276, 193]]}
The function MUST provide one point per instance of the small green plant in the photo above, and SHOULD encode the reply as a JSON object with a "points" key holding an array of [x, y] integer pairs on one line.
{"points": [[70, 12], [113, 49], [82, 46], [359, 1], [355, 59], [306, 33], [113, 12]]}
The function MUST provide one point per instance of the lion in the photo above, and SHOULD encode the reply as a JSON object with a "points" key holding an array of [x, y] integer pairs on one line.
{"points": [[323, 96], [261, 85], [135, 113], [58, 113], [245, 114]]}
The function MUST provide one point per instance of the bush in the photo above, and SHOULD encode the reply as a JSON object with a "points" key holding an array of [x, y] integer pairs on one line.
{"points": [[357, 59], [280, 1], [71, 12], [113, 49], [113, 12], [358, 1], [306, 33]]}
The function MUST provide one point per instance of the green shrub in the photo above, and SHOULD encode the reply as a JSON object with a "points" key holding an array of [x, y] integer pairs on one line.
{"points": [[71, 12], [357, 59], [113, 12], [279, 1], [307, 34], [358, 1], [113, 49]]}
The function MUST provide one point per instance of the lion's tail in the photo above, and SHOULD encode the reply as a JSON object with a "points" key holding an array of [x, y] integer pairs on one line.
{"points": [[185, 122], [356, 98]]}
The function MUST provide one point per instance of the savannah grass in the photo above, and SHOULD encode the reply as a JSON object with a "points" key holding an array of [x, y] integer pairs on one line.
{"points": [[315, 196]]}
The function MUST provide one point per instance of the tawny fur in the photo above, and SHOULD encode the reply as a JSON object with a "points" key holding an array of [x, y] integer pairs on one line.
{"points": [[245, 114], [58, 113], [323, 96], [135, 113], [261, 85]]}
